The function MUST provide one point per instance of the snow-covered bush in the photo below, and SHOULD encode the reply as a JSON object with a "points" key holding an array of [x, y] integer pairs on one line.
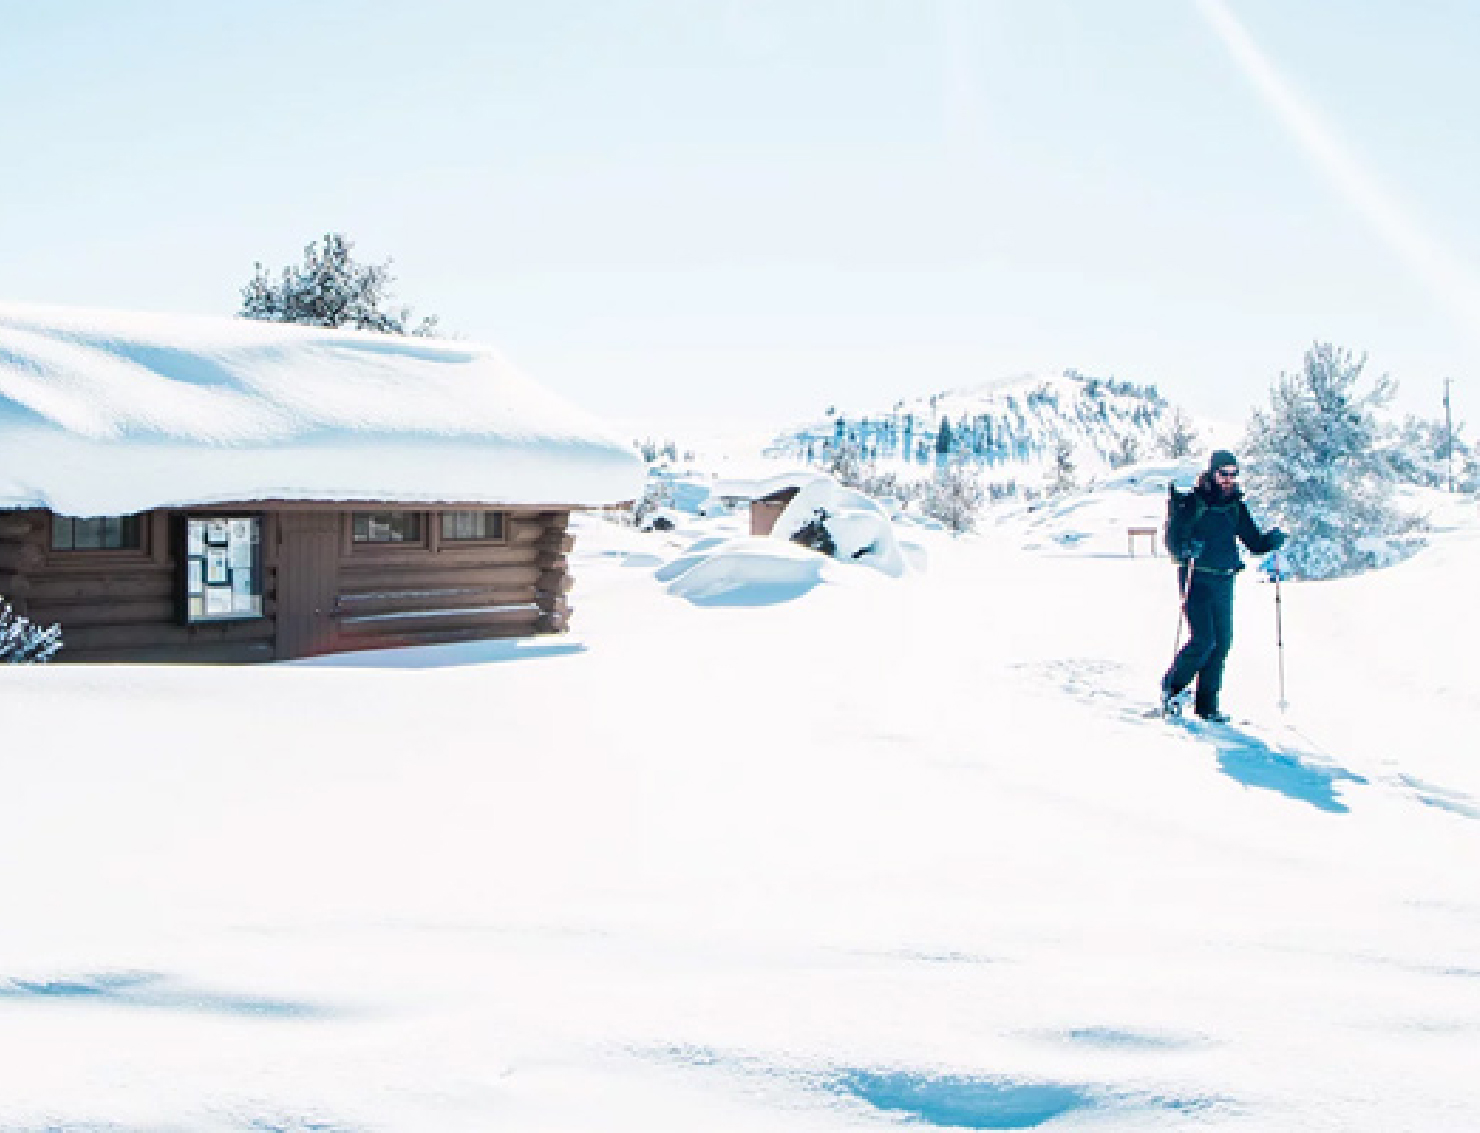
{"points": [[846, 464], [1424, 451], [658, 494], [24, 643], [954, 496], [1315, 461], [661, 519]]}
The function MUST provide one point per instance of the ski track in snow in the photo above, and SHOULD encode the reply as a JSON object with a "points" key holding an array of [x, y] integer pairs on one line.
{"points": [[1277, 756]]}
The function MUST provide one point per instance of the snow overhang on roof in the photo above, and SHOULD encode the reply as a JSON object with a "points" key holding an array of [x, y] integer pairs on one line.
{"points": [[109, 413], [759, 487]]}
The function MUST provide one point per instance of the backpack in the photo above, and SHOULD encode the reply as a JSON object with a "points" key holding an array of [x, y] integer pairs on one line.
{"points": [[1184, 509]]}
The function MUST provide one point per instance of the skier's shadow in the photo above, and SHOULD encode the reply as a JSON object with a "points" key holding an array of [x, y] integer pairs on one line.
{"points": [[1294, 773]]}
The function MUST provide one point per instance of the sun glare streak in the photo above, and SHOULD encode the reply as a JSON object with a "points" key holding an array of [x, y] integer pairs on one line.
{"points": [[1453, 284]]}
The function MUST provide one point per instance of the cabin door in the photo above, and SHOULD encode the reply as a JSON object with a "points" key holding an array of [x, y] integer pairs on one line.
{"points": [[307, 582]]}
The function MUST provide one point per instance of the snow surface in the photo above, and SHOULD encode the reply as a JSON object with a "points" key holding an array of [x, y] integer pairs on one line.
{"points": [[812, 849], [109, 413]]}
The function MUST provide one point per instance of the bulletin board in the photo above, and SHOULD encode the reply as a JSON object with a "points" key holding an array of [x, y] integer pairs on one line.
{"points": [[223, 568]]}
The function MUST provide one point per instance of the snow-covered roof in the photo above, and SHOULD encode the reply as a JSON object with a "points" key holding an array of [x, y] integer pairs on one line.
{"points": [[109, 413], [759, 487]]}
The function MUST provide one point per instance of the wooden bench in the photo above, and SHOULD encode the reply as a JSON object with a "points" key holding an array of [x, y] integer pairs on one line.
{"points": [[1151, 534]]}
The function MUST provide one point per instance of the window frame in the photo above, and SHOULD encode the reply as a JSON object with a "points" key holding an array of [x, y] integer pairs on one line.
{"points": [[432, 542], [391, 546], [453, 543], [142, 552]]}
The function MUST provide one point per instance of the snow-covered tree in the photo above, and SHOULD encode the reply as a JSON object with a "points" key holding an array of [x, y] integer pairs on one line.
{"points": [[657, 493], [1178, 437], [1063, 467], [846, 463], [331, 289], [1315, 461], [943, 437], [22, 642], [1127, 450], [1424, 452], [954, 496]]}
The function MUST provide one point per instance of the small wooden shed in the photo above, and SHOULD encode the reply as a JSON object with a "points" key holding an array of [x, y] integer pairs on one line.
{"points": [[766, 509], [219, 490]]}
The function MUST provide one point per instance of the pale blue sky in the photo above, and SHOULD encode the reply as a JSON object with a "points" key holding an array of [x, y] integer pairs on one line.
{"points": [[743, 211]]}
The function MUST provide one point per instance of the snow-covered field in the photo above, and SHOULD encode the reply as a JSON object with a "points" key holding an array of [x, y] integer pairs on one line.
{"points": [[788, 844]]}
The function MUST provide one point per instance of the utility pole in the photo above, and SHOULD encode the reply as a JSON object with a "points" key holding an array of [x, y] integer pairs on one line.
{"points": [[1449, 435]]}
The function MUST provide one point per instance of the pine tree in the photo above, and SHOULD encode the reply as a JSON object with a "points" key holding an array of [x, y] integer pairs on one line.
{"points": [[24, 643], [1315, 461], [943, 437], [331, 289], [1063, 467]]}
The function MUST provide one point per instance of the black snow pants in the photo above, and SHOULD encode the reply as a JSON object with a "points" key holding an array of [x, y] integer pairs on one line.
{"points": [[1210, 616]]}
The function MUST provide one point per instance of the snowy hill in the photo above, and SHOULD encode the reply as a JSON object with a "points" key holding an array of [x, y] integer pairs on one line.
{"points": [[820, 849], [1012, 425]]}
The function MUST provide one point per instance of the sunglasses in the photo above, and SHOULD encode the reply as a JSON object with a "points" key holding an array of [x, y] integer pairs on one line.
{"points": [[1228, 473]]}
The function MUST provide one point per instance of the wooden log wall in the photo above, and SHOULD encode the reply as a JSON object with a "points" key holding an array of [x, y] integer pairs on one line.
{"points": [[390, 596], [553, 585], [123, 606], [22, 543]]}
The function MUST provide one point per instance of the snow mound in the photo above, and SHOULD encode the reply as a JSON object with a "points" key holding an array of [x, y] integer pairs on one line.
{"points": [[858, 524], [750, 572]]}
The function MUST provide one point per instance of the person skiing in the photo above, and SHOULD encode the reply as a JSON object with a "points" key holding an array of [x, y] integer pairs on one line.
{"points": [[1203, 530]]}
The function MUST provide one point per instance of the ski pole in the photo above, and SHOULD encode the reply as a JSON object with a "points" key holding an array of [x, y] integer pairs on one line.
{"points": [[1279, 629]]}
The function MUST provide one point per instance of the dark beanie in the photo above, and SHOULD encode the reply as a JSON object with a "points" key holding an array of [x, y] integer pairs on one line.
{"points": [[1221, 458]]}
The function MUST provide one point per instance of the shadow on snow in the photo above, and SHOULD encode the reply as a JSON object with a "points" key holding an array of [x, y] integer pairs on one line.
{"points": [[951, 1101], [156, 991], [961, 1102], [449, 656], [1255, 762]]}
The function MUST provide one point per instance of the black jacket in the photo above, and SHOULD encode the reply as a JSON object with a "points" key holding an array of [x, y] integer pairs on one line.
{"points": [[1204, 515]]}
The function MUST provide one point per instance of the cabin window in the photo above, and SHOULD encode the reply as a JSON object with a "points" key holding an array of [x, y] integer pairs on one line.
{"points": [[387, 527], [472, 526], [223, 568], [107, 533]]}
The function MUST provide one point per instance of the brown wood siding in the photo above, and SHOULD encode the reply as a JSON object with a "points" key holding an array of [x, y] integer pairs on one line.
{"points": [[321, 592], [124, 605], [22, 535], [446, 591]]}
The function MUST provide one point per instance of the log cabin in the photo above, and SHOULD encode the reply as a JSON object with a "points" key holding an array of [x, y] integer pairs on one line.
{"points": [[220, 490]]}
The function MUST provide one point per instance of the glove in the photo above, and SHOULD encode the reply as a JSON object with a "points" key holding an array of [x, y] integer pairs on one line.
{"points": [[1276, 538], [1193, 549]]}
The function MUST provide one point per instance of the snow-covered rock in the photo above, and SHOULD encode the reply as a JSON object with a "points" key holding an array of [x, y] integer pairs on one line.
{"points": [[858, 524]]}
